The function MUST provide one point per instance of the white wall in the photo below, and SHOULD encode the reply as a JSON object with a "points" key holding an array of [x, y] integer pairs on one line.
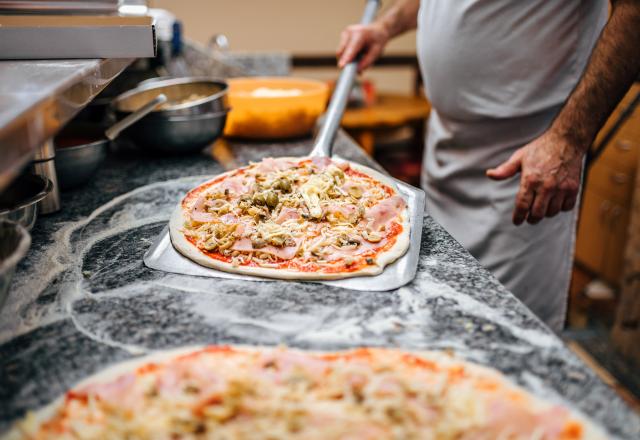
{"points": [[298, 26]]}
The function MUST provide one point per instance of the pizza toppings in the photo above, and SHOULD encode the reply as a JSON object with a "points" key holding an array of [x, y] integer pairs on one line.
{"points": [[232, 393], [384, 211], [308, 214]]}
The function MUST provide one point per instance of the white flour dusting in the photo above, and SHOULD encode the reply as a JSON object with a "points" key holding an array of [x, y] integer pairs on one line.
{"points": [[63, 257]]}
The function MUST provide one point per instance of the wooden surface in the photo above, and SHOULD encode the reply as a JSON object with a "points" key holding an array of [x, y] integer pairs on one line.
{"points": [[605, 211], [626, 330], [606, 376], [389, 112]]}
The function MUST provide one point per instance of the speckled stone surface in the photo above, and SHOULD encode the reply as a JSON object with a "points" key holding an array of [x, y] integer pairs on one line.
{"points": [[82, 299]]}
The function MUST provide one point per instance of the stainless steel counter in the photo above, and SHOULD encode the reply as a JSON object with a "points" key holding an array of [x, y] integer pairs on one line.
{"points": [[37, 97]]}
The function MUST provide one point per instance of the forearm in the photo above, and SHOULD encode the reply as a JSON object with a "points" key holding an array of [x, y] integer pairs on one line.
{"points": [[402, 16], [612, 68]]}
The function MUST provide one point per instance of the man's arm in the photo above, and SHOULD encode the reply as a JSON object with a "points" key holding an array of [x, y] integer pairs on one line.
{"points": [[371, 39], [551, 165]]}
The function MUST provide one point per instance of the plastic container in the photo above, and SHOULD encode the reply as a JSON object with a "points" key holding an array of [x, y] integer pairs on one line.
{"points": [[274, 107]]}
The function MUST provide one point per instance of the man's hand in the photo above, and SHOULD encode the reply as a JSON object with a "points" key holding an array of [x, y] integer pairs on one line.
{"points": [[551, 165], [368, 39], [550, 171]]}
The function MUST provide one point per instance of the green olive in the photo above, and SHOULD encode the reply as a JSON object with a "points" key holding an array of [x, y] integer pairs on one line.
{"points": [[259, 199], [272, 199], [283, 185]]}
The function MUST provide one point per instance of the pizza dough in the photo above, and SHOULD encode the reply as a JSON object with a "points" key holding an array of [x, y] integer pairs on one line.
{"points": [[223, 392], [294, 218]]}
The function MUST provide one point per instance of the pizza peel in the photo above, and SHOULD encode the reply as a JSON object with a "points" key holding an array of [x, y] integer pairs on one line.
{"points": [[323, 142], [163, 256]]}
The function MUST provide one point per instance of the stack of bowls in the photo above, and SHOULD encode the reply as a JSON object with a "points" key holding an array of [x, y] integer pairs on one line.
{"points": [[80, 149], [193, 117]]}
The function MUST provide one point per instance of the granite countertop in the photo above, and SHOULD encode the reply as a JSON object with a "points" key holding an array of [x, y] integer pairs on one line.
{"points": [[83, 299]]}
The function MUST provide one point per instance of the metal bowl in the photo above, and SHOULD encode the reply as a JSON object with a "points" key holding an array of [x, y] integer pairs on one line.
{"points": [[177, 134], [14, 243], [186, 127], [80, 149], [19, 202], [179, 92]]}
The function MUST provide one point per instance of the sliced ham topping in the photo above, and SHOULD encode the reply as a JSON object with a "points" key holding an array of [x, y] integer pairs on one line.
{"points": [[287, 214], [347, 251], [511, 417], [229, 219], [284, 253], [269, 165], [236, 184], [121, 391], [243, 245], [321, 163], [384, 211], [349, 184], [199, 213], [345, 212], [232, 219], [284, 364]]}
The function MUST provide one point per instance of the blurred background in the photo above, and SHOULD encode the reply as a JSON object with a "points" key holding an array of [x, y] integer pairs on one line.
{"points": [[258, 26], [387, 120]]}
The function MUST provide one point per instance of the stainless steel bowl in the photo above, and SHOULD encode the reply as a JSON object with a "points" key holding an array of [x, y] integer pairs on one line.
{"points": [[178, 91], [14, 244], [186, 127], [80, 149], [177, 134], [19, 202]]}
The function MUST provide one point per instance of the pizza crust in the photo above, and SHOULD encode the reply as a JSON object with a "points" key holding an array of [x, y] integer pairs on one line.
{"points": [[190, 251]]}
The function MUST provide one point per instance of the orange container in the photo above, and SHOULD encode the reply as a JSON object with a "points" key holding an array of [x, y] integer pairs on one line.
{"points": [[274, 107]]}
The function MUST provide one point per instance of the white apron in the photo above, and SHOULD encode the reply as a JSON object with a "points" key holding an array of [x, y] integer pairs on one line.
{"points": [[496, 73]]}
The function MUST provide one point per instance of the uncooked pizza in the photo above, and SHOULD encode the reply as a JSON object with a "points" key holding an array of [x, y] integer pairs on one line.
{"points": [[258, 393], [294, 218]]}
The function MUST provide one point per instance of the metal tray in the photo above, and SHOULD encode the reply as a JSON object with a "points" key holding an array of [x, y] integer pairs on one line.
{"points": [[162, 256]]}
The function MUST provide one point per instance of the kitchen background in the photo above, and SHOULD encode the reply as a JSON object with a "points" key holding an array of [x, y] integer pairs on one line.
{"points": [[602, 279], [255, 25], [386, 119]]}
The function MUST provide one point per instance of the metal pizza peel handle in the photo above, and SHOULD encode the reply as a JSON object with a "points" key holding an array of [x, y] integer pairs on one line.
{"points": [[323, 143]]}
